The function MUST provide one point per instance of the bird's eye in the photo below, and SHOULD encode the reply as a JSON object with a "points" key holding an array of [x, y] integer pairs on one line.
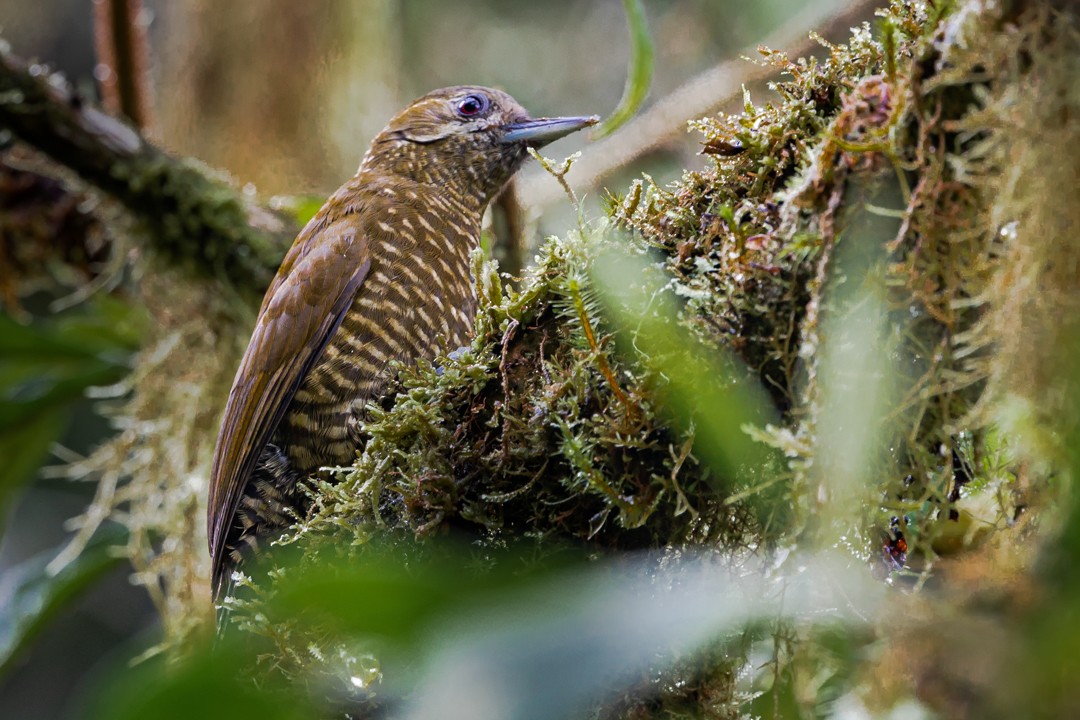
{"points": [[472, 105]]}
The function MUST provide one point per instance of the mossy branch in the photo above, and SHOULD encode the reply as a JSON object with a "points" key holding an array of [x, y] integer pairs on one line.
{"points": [[195, 220]]}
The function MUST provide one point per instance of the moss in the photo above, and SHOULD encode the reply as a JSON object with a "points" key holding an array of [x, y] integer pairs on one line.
{"points": [[199, 222]]}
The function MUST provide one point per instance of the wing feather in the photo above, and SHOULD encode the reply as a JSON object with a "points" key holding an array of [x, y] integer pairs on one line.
{"points": [[302, 309]]}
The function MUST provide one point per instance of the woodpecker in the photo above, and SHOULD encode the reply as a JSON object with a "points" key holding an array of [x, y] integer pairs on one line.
{"points": [[380, 273]]}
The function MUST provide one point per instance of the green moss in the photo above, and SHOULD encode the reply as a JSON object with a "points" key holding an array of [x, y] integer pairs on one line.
{"points": [[199, 222]]}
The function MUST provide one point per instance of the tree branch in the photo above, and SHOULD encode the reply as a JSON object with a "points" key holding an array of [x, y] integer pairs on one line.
{"points": [[194, 220], [123, 60]]}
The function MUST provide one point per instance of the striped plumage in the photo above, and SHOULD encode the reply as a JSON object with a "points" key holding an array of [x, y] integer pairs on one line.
{"points": [[381, 273], [416, 296]]}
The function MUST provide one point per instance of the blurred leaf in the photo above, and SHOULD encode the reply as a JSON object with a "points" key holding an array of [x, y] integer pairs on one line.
{"points": [[207, 685], [858, 367], [857, 381], [638, 74], [30, 596], [397, 601], [396, 605], [542, 644], [1062, 555], [300, 207], [29, 390], [565, 645], [108, 327], [708, 389], [24, 448], [44, 367]]}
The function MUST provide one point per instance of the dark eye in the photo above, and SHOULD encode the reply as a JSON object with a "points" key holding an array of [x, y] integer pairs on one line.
{"points": [[472, 105]]}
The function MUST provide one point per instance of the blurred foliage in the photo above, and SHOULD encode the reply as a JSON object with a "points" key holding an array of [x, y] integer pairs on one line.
{"points": [[704, 391], [493, 634], [203, 685], [33, 592], [48, 365]]}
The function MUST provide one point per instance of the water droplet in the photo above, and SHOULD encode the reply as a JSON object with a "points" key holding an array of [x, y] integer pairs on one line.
{"points": [[1008, 231]]}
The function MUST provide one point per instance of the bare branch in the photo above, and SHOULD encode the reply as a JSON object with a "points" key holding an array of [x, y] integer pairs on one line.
{"points": [[123, 69], [511, 225]]}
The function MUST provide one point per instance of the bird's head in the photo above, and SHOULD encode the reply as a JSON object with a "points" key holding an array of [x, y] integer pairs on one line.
{"points": [[466, 139]]}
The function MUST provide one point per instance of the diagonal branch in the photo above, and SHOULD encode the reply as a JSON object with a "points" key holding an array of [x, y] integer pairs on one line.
{"points": [[194, 219]]}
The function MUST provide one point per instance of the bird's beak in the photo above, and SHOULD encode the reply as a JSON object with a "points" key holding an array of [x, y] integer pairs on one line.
{"points": [[539, 132]]}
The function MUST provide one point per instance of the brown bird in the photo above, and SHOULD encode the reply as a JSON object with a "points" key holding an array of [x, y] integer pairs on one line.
{"points": [[381, 273]]}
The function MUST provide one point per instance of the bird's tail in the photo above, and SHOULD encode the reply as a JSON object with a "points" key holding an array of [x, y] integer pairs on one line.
{"points": [[224, 590]]}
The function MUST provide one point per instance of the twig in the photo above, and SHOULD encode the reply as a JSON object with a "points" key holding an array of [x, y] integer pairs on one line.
{"points": [[559, 173], [594, 345], [123, 54], [194, 220], [666, 119], [506, 385], [512, 236]]}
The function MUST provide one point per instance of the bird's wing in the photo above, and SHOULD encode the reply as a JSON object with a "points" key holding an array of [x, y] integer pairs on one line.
{"points": [[305, 304]]}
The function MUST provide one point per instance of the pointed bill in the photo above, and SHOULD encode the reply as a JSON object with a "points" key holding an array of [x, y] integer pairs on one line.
{"points": [[541, 131]]}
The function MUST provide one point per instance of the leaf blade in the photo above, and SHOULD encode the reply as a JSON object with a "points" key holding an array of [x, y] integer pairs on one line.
{"points": [[638, 74], [34, 595]]}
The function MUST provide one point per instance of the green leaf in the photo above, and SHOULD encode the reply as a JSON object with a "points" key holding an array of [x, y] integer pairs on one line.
{"points": [[369, 600], [206, 685], [29, 391], [639, 73], [706, 389], [23, 448], [524, 640], [559, 648], [107, 329], [48, 365], [31, 595], [396, 600]]}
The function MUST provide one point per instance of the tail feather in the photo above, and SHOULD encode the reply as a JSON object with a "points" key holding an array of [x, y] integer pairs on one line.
{"points": [[270, 502]]}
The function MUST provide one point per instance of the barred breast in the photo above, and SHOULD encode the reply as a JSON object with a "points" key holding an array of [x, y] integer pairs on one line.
{"points": [[418, 299]]}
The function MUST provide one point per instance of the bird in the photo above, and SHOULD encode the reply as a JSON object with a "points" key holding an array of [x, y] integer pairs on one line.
{"points": [[381, 273]]}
